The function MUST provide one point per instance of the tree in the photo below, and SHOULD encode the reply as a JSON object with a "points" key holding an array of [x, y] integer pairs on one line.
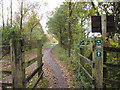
{"points": [[68, 23], [69, 29], [33, 21], [3, 15], [57, 25]]}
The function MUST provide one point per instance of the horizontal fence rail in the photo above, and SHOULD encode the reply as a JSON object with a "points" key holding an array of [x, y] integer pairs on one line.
{"points": [[88, 61], [33, 73], [113, 82], [111, 49], [6, 72], [5, 84], [111, 65], [89, 77], [26, 64], [89, 47], [40, 76]]}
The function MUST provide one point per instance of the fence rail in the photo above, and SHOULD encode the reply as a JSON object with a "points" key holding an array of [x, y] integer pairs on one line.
{"points": [[5, 84], [89, 77], [89, 47], [33, 73], [86, 60], [26, 64], [6, 72], [111, 49], [107, 65], [113, 82]]}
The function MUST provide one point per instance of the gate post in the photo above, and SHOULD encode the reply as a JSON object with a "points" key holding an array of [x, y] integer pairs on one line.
{"points": [[39, 55], [104, 32], [98, 60], [98, 67], [18, 73]]}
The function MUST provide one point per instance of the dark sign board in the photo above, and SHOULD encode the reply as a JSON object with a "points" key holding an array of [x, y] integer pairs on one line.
{"points": [[97, 25], [110, 23]]}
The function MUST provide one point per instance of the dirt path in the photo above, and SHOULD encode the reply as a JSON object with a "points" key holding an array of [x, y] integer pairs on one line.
{"points": [[56, 79], [52, 70]]}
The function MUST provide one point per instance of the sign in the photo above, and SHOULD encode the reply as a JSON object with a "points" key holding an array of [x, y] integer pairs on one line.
{"points": [[110, 23], [98, 48], [98, 42], [97, 25], [98, 54]]}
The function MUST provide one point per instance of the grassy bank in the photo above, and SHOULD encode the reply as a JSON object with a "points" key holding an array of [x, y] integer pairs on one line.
{"points": [[61, 54], [47, 44]]}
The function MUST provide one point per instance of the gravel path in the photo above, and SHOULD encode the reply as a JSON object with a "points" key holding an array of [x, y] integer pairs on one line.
{"points": [[59, 81]]}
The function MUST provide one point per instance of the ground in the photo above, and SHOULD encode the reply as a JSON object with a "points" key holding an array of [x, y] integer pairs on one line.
{"points": [[54, 70]]}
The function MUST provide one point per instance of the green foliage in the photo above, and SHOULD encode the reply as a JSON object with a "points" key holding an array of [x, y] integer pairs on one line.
{"points": [[59, 52], [58, 24], [47, 44]]}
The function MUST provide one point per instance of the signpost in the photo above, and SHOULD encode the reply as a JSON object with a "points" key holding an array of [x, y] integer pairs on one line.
{"points": [[98, 48], [103, 25]]}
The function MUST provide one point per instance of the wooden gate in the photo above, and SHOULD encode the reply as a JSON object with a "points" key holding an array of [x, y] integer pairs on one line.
{"points": [[18, 65]]}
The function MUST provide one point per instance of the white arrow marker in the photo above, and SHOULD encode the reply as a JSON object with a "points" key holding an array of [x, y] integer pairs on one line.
{"points": [[98, 53]]}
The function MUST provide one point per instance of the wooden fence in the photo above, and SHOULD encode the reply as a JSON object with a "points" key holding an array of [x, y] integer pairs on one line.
{"points": [[110, 65], [5, 50], [98, 78], [18, 65], [86, 60]]}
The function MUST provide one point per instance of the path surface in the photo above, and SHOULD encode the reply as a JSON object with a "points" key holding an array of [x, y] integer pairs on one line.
{"points": [[52, 70], [57, 80]]}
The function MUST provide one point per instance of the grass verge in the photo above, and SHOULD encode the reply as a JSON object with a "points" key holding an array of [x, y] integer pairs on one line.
{"points": [[47, 44], [75, 74]]}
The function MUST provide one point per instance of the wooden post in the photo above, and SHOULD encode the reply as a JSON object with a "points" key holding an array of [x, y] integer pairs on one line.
{"points": [[98, 67], [39, 55], [17, 64], [104, 26], [104, 31], [0, 52], [23, 61]]}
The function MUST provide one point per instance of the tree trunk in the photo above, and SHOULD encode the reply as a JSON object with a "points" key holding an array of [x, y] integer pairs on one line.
{"points": [[21, 18], [3, 16], [30, 38], [60, 37], [7, 20], [69, 30], [11, 15]]}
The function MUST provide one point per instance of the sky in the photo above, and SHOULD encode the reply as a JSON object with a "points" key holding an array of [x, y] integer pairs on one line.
{"points": [[45, 9]]}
